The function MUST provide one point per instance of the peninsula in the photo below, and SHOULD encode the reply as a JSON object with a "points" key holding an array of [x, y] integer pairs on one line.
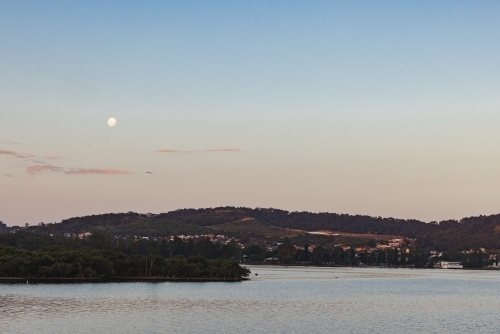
{"points": [[210, 244]]}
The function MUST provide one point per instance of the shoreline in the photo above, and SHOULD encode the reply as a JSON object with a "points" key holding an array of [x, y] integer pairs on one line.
{"points": [[20, 280], [257, 264]]}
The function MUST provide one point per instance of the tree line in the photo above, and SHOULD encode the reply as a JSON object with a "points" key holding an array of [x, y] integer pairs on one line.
{"points": [[412, 255], [59, 262], [28, 254], [481, 231]]}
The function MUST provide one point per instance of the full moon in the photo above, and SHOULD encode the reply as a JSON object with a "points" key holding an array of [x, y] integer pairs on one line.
{"points": [[112, 121]]}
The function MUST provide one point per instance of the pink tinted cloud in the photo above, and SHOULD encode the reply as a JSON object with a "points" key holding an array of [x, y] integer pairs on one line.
{"points": [[174, 151], [37, 169], [51, 158], [6, 141], [96, 171], [15, 154], [228, 149], [7, 175]]}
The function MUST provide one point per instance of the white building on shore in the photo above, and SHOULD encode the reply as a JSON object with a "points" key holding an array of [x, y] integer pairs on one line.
{"points": [[449, 265]]}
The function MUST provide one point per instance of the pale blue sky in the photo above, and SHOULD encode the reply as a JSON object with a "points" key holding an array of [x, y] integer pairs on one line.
{"points": [[378, 108]]}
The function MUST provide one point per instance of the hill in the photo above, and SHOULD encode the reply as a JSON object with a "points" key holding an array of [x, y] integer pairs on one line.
{"points": [[253, 227], [482, 231]]}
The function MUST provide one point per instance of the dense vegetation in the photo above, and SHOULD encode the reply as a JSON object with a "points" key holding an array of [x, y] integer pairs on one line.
{"points": [[467, 233], [28, 254], [406, 256], [27, 240]]}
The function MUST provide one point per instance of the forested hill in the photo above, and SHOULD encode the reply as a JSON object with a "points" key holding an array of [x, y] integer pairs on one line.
{"points": [[482, 231]]}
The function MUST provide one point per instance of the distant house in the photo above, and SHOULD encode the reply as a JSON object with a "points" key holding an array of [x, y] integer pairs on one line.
{"points": [[397, 240], [311, 248], [84, 235], [69, 235], [449, 265]]}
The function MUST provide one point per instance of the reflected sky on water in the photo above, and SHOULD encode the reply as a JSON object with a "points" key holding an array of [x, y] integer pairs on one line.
{"points": [[278, 300]]}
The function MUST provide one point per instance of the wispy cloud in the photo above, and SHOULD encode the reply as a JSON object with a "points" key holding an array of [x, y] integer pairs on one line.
{"points": [[174, 151], [96, 171], [15, 154], [36, 161], [11, 153], [7, 175], [228, 149], [8, 142], [37, 169]]}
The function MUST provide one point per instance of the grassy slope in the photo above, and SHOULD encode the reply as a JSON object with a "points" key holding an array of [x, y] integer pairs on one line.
{"points": [[252, 226]]}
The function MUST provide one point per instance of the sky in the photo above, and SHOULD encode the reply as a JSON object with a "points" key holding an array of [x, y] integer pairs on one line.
{"points": [[385, 109]]}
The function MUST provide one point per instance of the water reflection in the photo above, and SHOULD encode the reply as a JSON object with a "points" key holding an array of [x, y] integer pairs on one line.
{"points": [[279, 300]]}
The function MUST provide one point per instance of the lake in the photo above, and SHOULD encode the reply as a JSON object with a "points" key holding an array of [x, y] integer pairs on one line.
{"points": [[278, 300]]}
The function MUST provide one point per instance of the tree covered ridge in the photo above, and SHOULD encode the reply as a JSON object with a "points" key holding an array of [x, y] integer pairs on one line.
{"points": [[61, 262], [469, 232]]}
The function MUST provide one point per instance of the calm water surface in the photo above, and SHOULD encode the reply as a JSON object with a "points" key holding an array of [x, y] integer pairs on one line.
{"points": [[278, 300]]}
